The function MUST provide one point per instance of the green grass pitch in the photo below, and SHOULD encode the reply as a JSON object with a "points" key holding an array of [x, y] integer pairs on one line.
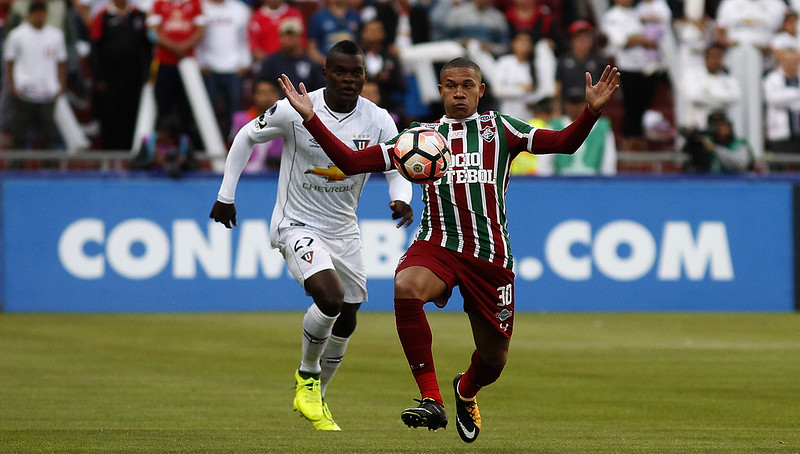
{"points": [[575, 383]]}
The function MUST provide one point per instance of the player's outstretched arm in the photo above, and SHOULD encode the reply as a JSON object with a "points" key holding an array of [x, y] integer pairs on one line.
{"points": [[569, 139], [349, 161], [600, 94]]}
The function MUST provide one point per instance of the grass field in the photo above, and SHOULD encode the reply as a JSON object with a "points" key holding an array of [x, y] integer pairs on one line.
{"points": [[575, 383]]}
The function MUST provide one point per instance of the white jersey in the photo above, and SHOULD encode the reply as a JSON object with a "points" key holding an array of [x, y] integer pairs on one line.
{"points": [[312, 191], [36, 53]]}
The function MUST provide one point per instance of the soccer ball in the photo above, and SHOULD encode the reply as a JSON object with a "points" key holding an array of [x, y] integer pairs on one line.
{"points": [[421, 155]]}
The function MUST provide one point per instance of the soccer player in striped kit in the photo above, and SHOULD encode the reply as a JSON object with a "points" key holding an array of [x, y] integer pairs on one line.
{"points": [[462, 239]]}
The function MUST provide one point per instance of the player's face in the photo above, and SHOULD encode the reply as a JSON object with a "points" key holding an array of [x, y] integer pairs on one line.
{"points": [[345, 76], [461, 89]]}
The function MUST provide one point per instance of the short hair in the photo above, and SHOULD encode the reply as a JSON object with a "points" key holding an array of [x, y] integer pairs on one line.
{"points": [[37, 5], [346, 47], [461, 62]]}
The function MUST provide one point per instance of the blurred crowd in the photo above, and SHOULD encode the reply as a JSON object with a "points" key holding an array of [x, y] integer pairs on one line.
{"points": [[717, 79]]}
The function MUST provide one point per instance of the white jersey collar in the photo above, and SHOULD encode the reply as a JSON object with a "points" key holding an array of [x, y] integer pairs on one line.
{"points": [[446, 119]]}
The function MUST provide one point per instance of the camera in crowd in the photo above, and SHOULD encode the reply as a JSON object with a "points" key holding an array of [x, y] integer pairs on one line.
{"points": [[700, 142]]}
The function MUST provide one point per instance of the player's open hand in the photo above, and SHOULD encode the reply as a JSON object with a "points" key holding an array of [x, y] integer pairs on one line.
{"points": [[599, 94], [299, 100], [224, 213], [402, 211]]}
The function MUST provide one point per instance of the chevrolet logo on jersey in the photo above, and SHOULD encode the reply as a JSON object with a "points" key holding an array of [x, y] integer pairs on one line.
{"points": [[332, 173]]}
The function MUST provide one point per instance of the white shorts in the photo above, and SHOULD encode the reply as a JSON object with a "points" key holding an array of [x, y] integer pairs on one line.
{"points": [[307, 253]]}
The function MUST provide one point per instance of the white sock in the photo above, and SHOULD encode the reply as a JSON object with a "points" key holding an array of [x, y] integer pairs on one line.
{"points": [[331, 360], [317, 329]]}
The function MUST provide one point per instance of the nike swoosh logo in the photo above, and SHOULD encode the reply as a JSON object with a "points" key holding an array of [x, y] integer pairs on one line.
{"points": [[468, 433]]}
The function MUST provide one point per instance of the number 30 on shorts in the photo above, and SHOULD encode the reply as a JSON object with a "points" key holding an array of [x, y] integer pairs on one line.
{"points": [[505, 294]]}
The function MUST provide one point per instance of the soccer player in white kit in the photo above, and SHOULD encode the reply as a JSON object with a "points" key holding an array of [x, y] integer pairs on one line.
{"points": [[314, 222]]}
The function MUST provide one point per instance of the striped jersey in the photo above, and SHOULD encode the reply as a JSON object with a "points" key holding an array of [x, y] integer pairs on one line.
{"points": [[465, 211]]}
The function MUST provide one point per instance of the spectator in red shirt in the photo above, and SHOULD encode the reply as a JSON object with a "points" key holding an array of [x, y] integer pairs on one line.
{"points": [[178, 26], [264, 26]]}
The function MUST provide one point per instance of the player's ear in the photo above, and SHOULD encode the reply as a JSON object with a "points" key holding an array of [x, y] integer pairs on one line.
{"points": [[481, 90]]}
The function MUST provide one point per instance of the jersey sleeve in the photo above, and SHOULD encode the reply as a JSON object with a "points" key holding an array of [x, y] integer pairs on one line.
{"points": [[399, 188], [569, 139], [519, 134], [274, 122], [267, 126]]}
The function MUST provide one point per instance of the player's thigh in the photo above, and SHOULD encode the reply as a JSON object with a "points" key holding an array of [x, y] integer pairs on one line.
{"points": [[488, 292], [427, 272], [305, 254], [348, 260]]}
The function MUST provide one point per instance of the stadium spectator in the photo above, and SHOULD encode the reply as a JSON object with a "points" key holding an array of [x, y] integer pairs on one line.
{"points": [[5, 99], [628, 45], [167, 149], [656, 18], [224, 57], [582, 56], [708, 89], [479, 20], [266, 155], [60, 16], [120, 61], [460, 242], [520, 78], [439, 12], [335, 22], [718, 150], [750, 22], [787, 36], [782, 95], [178, 25], [383, 67], [35, 58], [292, 59], [538, 19], [264, 29], [694, 35], [596, 156], [314, 222], [406, 24], [372, 91]]}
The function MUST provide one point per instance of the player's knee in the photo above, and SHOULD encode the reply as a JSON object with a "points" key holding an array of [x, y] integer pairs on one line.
{"points": [[406, 287], [329, 304]]}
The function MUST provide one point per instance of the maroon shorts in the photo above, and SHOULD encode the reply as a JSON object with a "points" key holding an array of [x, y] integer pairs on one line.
{"points": [[487, 289]]}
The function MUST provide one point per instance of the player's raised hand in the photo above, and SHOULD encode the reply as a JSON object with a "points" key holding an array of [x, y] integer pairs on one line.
{"points": [[402, 211], [299, 100], [599, 94], [224, 213]]}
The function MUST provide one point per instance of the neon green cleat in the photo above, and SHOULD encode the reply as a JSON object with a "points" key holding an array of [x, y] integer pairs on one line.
{"points": [[326, 423], [307, 398]]}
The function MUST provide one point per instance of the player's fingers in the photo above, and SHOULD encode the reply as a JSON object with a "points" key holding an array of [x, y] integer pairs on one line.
{"points": [[303, 91], [233, 219]]}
